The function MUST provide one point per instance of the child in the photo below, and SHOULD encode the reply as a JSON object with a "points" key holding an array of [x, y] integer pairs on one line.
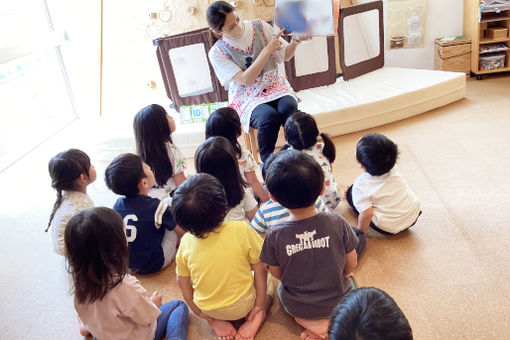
{"points": [[71, 173], [216, 157], [271, 213], [301, 133], [369, 314], [225, 122], [149, 222], [153, 129], [111, 304], [380, 194], [215, 261], [312, 252]]}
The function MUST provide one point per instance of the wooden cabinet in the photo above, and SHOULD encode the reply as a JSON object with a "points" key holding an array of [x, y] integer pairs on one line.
{"points": [[488, 30]]}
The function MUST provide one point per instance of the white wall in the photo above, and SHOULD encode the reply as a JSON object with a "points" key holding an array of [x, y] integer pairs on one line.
{"points": [[444, 18]]}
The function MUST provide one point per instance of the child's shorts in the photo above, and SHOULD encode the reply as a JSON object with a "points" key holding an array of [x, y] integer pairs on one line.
{"points": [[235, 311]]}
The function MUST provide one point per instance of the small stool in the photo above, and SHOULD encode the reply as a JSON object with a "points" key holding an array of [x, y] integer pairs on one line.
{"points": [[250, 139]]}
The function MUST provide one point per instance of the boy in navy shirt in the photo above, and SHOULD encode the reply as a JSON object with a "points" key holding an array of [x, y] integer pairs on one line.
{"points": [[150, 226]]}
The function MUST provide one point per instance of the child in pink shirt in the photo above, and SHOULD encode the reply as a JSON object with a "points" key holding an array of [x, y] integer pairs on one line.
{"points": [[112, 304]]}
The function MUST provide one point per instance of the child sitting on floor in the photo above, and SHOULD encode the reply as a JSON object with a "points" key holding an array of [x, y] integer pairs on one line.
{"points": [[215, 261], [71, 173], [216, 157], [111, 304], [225, 122], [369, 314], [312, 252], [380, 195], [149, 222], [153, 128], [302, 133], [271, 213]]}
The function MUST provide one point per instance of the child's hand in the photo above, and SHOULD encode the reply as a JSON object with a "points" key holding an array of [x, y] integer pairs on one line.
{"points": [[157, 299]]}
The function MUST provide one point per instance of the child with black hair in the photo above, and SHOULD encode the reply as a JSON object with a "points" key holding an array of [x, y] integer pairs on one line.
{"points": [[111, 304], [380, 195], [271, 213], [153, 128], [369, 313], [216, 156], [301, 133], [71, 173], [215, 261], [149, 222], [312, 252], [225, 122]]}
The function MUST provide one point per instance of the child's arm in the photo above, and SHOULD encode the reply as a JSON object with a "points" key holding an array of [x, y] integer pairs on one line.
{"points": [[275, 271], [364, 219], [179, 178], [157, 298], [351, 261], [251, 214], [260, 278], [257, 187], [187, 291]]}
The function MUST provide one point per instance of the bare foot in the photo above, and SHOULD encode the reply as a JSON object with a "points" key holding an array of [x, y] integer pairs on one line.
{"points": [[224, 330], [250, 327], [317, 328], [309, 335]]}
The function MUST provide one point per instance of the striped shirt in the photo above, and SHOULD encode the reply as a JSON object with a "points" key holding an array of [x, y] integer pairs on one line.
{"points": [[272, 213]]}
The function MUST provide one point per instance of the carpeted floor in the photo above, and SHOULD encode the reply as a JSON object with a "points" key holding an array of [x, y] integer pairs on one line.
{"points": [[449, 273]]}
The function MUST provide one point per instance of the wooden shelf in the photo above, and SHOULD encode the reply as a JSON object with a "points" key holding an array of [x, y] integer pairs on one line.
{"points": [[491, 41], [495, 18], [505, 69]]}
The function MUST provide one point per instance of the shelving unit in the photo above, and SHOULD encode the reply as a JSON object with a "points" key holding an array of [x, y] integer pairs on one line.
{"points": [[476, 23]]}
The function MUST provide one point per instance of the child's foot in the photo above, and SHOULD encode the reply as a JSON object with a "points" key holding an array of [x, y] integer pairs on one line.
{"points": [[314, 329], [224, 330], [250, 327]]}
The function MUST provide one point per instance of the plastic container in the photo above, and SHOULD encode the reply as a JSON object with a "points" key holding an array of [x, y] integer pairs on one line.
{"points": [[492, 62]]}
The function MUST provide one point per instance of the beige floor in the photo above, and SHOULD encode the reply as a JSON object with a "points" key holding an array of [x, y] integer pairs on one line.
{"points": [[450, 273]]}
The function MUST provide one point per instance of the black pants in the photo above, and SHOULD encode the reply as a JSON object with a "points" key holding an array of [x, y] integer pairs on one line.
{"points": [[267, 119]]}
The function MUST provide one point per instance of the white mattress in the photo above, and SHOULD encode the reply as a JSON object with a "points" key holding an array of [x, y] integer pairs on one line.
{"points": [[377, 98], [380, 97]]}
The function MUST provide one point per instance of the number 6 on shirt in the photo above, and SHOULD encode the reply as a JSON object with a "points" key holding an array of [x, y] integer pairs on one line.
{"points": [[132, 235]]}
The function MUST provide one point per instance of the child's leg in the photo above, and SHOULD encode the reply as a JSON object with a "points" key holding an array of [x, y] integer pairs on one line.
{"points": [[169, 245], [361, 241], [172, 323]]}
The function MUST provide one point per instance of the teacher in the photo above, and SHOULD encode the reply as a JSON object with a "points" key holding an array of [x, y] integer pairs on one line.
{"points": [[245, 57]]}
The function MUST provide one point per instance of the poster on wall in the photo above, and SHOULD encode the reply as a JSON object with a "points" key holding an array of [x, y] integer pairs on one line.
{"points": [[406, 23], [315, 17]]}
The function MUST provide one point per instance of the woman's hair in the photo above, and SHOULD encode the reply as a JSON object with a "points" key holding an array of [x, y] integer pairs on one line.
{"points": [[294, 179], [216, 14], [124, 173], [216, 157], [301, 132], [199, 205], [377, 153], [152, 135], [225, 122], [97, 252], [368, 313], [65, 168]]}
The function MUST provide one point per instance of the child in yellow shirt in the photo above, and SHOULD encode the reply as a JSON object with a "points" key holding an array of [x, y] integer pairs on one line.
{"points": [[216, 258]]}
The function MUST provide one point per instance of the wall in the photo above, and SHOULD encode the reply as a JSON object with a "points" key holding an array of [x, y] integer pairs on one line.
{"points": [[444, 18]]}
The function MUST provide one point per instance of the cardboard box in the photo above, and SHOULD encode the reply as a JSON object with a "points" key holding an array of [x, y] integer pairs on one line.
{"points": [[453, 54], [497, 32]]}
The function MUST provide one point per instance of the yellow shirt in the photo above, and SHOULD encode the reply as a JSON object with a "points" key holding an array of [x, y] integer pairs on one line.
{"points": [[219, 265]]}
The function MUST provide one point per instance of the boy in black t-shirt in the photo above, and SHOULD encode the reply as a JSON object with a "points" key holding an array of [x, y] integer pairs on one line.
{"points": [[149, 222], [312, 252]]}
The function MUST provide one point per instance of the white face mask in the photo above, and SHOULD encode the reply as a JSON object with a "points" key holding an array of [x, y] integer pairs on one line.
{"points": [[236, 32]]}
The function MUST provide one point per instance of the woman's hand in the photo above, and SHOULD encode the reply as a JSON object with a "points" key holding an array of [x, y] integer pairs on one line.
{"points": [[296, 39], [275, 44]]}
